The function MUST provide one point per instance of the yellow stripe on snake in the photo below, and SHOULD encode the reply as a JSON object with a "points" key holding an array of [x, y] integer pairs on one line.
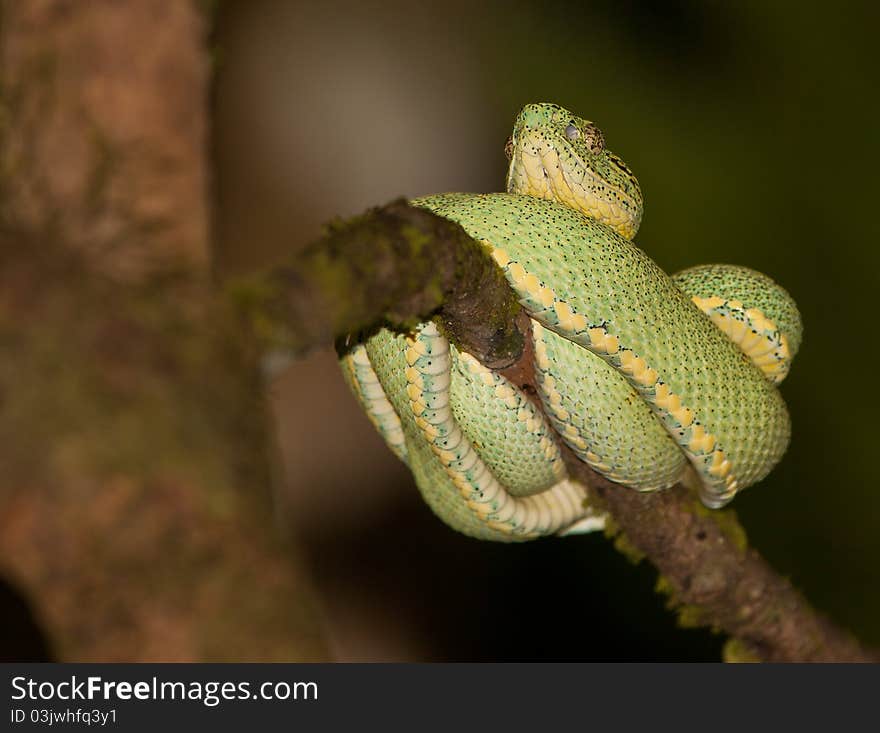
{"points": [[640, 374]]}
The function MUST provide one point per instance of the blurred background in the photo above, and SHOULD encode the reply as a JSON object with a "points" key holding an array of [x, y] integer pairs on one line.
{"points": [[752, 129]]}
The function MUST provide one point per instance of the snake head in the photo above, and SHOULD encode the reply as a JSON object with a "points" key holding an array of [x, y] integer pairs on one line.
{"points": [[556, 155]]}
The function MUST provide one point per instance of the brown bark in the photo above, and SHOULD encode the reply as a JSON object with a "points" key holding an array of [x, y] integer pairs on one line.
{"points": [[106, 129], [714, 579], [135, 505], [396, 264]]}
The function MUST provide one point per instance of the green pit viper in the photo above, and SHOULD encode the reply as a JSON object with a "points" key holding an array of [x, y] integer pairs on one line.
{"points": [[647, 378]]}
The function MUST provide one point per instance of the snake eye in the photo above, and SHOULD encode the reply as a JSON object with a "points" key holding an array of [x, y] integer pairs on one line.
{"points": [[595, 139], [572, 133], [508, 148]]}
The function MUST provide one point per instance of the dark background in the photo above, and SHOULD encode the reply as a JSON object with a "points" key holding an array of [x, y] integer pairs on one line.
{"points": [[753, 130]]}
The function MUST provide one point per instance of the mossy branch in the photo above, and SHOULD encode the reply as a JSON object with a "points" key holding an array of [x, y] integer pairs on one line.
{"points": [[714, 579], [400, 265], [394, 265]]}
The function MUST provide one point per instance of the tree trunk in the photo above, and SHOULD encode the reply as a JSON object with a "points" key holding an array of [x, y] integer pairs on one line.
{"points": [[135, 501]]}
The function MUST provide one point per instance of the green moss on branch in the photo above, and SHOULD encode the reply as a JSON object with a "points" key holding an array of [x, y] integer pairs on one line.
{"points": [[397, 265]]}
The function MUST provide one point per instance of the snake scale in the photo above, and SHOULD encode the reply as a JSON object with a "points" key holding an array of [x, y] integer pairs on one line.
{"points": [[647, 378]]}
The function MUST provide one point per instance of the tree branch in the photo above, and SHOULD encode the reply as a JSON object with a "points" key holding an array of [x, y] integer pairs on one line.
{"points": [[401, 265], [396, 264], [714, 579]]}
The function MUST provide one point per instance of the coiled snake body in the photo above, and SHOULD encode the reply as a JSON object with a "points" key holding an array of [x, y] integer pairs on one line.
{"points": [[642, 375]]}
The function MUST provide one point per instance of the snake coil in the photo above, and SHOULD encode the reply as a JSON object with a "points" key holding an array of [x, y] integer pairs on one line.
{"points": [[640, 374]]}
